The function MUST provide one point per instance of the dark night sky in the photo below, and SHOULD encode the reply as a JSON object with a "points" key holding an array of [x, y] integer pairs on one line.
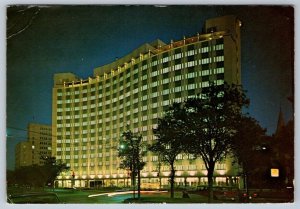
{"points": [[78, 39]]}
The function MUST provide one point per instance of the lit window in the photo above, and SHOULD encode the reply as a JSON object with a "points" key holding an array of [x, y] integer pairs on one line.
{"points": [[166, 103], [205, 72], [191, 86], [192, 167], [154, 73], [166, 91], [154, 84], [191, 75], [165, 70], [135, 91], [177, 56], [191, 52], [178, 78], [205, 84], [154, 158], [144, 67], [220, 82], [166, 59], [144, 87], [204, 50], [178, 67], [178, 89], [179, 157], [154, 63], [165, 81]]}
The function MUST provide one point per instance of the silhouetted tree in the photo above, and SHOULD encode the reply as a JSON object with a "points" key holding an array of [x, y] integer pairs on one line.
{"points": [[246, 144], [52, 168], [169, 138], [39, 175], [211, 121], [131, 153], [283, 152]]}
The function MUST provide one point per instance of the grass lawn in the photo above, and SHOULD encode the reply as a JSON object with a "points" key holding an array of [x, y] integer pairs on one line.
{"points": [[79, 196], [165, 198]]}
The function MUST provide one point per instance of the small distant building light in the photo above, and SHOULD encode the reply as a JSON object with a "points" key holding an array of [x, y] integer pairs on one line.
{"points": [[274, 172], [32, 146]]}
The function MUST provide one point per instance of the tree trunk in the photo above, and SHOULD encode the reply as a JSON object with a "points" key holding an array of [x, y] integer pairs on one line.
{"points": [[172, 178], [139, 184], [133, 183], [210, 173]]}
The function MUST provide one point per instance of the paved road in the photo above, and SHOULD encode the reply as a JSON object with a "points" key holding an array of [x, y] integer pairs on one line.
{"points": [[113, 199]]}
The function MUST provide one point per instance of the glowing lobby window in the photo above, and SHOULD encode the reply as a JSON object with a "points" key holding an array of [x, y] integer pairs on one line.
{"points": [[192, 167]]}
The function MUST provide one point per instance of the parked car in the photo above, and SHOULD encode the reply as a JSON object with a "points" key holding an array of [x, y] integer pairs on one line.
{"points": [[244, 197], [32, 198]]}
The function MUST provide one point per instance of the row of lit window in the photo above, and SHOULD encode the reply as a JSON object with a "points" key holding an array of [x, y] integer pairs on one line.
{"points": [[155, 73], [143, 98], [145, 87]]}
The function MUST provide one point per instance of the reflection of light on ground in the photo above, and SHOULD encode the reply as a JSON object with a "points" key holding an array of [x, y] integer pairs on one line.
{"points": [[110, 194]]}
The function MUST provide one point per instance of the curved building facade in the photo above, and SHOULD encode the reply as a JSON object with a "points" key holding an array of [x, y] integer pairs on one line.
{"points": [[90, 115]]}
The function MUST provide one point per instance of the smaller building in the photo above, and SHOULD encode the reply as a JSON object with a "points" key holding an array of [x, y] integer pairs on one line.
{"points": [[23, 154], [36, 148]]}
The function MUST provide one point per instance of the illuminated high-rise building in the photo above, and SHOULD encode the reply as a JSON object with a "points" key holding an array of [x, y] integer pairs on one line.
{"points": [[37, 147], [90, 115]]}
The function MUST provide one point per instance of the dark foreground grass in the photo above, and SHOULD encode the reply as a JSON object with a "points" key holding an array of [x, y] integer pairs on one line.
{"points": [[69, 196], [165, 199]]}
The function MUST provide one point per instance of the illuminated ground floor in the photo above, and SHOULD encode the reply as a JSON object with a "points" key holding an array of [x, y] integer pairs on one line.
{"points": [[149, 182]]}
